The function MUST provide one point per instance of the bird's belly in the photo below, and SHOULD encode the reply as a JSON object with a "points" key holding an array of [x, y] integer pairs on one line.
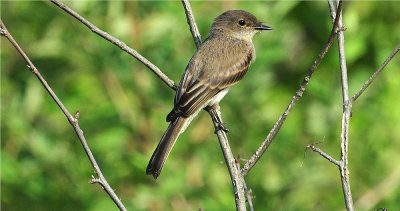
{"points": [[218, 97]]}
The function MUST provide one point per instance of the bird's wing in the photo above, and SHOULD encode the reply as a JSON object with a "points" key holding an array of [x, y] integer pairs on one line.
{"points": [[199, 84]]}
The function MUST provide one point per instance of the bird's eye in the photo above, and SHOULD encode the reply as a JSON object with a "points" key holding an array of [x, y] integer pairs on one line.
{"points": [[242, 22]]}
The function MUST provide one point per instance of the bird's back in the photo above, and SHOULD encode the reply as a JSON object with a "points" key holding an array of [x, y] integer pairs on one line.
{"points": [[214, 67]]}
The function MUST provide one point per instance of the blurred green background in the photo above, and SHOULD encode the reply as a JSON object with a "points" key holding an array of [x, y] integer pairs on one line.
{"points": [[123, 107]]}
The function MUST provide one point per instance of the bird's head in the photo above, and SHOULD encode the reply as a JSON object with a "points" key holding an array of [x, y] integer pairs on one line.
{"points": [[239, 24]]}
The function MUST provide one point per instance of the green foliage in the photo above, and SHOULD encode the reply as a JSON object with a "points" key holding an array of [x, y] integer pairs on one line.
{"points": [[123, 107]]}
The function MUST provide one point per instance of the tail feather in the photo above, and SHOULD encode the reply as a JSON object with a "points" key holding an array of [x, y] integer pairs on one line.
{"points": [[163, 149]]}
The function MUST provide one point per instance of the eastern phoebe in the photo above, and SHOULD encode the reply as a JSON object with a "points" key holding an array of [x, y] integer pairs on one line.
{"points": [[220, 62]]}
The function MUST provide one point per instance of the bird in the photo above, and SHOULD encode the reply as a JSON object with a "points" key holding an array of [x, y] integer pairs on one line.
{"points": [[220, 62]]}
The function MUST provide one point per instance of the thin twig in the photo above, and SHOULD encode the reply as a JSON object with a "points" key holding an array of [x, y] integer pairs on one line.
{"points": [[249, 196], [323, 154], [275, 129], [376, 73], [192, 23], [234, 171], [344, 170], [248, 192], [332, 10], [73, 120], [118, 43]]}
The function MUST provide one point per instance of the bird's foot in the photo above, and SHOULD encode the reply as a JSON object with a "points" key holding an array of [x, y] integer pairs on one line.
{"points": [[220, 126]]}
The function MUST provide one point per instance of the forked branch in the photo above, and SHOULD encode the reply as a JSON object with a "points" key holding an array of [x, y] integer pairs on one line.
{"points": [[299, 93], [344, 146]]}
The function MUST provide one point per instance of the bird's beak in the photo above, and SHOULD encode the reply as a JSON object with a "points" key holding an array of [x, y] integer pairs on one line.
{"points": [[262, 27]]}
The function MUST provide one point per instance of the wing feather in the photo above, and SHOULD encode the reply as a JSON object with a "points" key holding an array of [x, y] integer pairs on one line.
{"points": [[199, 85]]}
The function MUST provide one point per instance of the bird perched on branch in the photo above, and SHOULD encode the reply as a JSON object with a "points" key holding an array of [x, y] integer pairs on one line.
{"points": [[220, 62]]}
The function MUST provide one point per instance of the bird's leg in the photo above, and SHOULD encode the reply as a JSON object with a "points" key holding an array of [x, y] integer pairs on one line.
{"points": [[213, 111]]}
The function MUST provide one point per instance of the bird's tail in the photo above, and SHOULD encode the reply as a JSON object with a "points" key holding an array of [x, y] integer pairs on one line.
{"points": [[163, 149]]}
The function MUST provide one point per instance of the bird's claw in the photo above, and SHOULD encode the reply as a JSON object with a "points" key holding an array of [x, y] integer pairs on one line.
{"points": [[220, 126]]}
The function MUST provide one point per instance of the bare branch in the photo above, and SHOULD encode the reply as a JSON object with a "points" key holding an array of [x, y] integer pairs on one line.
{"points": [[249, 196], [248, 192], [332, 10], [118, 43], [73, 120], [344, 171], [376, 73], [231, 162], [323, 154], [192, 23], [278, 124]]}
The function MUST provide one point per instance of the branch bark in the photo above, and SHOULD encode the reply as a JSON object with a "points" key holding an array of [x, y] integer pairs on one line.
{"points": [[232, 164], [323, 154], [343, 163], [376, 73], [73, 120], [343, 167], [192, 23]]}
